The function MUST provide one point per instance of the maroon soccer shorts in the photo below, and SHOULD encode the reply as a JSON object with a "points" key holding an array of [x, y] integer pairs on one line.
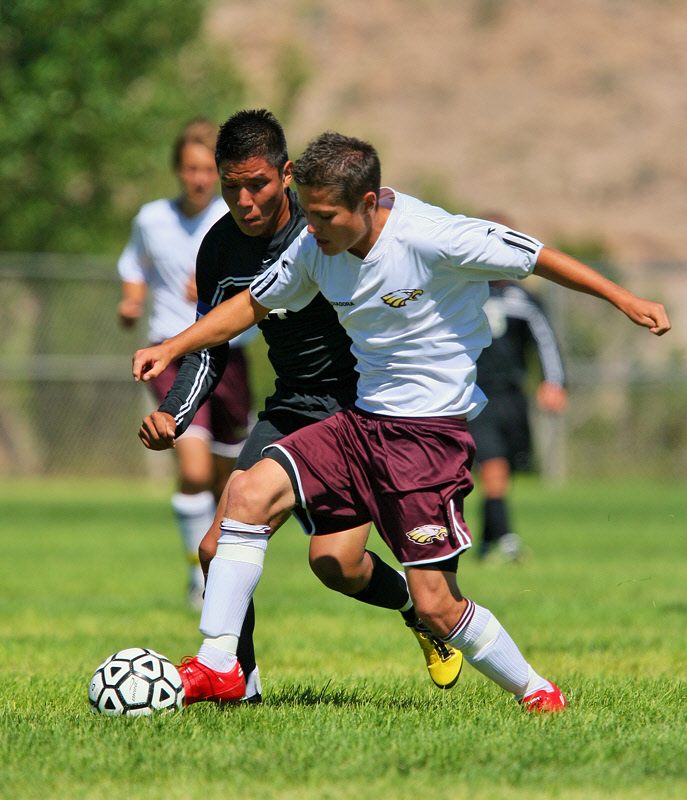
{"points": [[407, 475], [226, 415]]}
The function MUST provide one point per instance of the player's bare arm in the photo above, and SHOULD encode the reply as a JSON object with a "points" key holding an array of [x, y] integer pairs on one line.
{"points": [[158, 431], [132, 305], [218, 326], [192, 290], [573, 274]]}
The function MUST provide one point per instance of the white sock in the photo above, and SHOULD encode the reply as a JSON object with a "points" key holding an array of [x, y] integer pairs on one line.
{"points": [[253, 685], [234, 574], [195, 514], [219, 653], [486, 645]]}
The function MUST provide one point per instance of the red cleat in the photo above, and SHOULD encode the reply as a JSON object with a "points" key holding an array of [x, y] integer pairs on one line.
{"points": [[545, 701], [202, 683]]}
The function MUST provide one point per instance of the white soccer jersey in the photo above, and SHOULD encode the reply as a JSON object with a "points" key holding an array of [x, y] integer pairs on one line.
{"points": [[413, 306], [162, 253]]}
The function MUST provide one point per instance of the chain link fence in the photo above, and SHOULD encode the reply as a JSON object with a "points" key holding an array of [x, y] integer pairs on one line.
{"points": [[68, 404], [628, 388]]}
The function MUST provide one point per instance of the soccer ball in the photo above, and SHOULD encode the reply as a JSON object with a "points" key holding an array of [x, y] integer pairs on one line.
{"points": [[135, 682]]}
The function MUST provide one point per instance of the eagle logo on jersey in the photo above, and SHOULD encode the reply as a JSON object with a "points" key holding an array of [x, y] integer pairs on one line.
{"points": [[399, 297], [426, 534]]}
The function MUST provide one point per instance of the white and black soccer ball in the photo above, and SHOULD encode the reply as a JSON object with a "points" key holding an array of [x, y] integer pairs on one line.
{"points": [[135, 682]]}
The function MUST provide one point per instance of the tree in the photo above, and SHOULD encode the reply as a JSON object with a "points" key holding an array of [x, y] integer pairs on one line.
{"points": [[92, 93]]}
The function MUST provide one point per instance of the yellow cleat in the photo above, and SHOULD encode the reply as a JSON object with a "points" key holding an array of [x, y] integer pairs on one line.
{"points": [[443, 661]]}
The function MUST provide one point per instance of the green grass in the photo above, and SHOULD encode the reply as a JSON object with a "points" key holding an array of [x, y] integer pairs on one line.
{"points": [[348, 712]]}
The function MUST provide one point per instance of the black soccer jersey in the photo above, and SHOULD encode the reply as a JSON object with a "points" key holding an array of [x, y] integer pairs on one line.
{"points": [[309, 350], [517, 322]]}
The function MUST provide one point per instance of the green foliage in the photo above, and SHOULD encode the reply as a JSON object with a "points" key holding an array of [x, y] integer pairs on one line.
{"points": [[90, 567], [91, 96], [294, 71]]}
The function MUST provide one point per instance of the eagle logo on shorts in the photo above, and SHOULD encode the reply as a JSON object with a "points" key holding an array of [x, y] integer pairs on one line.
{"points": [[426, 534], [399, 297]]}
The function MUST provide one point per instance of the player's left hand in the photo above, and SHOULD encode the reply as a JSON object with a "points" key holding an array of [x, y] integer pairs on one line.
{"points": [[649, 314], [158, 431], [552, 397]]}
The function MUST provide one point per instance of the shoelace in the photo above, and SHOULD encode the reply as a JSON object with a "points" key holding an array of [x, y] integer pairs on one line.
{"points": [[442, 648], [185, 662]]}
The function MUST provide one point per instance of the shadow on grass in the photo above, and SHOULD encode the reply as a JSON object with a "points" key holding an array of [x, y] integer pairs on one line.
{"points": [[395, 698]]}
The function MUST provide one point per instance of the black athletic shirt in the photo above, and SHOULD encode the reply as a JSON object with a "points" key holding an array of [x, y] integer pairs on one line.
{"points": [[517, 322], [309, 350]]}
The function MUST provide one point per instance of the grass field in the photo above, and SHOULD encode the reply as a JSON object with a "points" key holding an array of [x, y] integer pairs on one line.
{"points": [[87, 568]]}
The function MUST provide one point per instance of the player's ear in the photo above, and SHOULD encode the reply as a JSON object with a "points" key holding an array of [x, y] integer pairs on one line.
{"points": [[288, 174], [369, 202]]}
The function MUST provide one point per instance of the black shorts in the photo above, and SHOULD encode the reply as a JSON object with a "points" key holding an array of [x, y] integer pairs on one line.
{"points": [[266, 431], [285, 413], [502, 430]]}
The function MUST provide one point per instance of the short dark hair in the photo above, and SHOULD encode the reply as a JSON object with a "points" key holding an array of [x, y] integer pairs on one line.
{"points": [[253, 133], [197, 131], [348, 166]]}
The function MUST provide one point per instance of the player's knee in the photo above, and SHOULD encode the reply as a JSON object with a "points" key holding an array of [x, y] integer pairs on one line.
{"points": [[262, 495], [330, 572], [207, 547], [341, 568], [247, 500]]}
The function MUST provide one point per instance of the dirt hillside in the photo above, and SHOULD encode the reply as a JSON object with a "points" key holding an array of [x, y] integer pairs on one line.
{"points": [[569, 116]]}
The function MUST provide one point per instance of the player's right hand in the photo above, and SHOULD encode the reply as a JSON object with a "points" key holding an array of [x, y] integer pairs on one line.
{"points": [[129, 312], [158, 431], [150, 362]]}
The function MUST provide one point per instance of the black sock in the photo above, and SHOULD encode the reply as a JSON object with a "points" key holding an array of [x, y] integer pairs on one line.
{"points": [[386, 589], [496, 522], [245, 652]]}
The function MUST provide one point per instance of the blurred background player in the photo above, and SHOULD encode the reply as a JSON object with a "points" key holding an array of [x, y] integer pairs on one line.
{"points": [[161, 255], [502, 431]]}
